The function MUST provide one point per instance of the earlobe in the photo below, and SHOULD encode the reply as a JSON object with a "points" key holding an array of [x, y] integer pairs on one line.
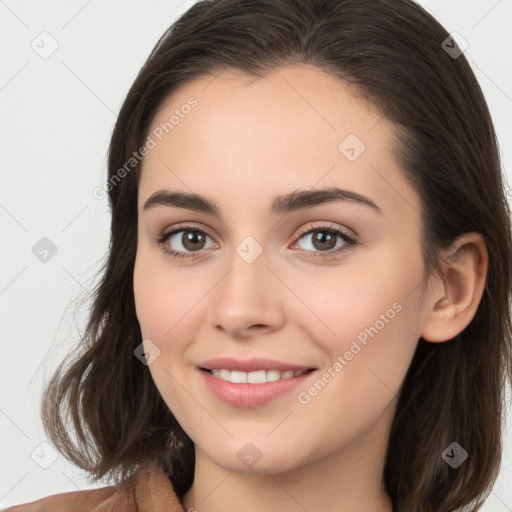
{"points": [[454, 297]]}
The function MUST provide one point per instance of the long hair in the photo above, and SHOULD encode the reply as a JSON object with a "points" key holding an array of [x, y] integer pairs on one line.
{"points": [[102, 410]]}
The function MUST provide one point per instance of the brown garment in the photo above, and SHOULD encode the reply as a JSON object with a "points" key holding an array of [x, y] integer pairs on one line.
{"points": [[150, 490]]}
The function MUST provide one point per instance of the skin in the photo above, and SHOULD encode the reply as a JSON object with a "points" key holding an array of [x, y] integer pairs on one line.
{"points": [[246, 141]]}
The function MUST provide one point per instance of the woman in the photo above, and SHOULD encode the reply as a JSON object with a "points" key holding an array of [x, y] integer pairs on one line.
{"points": [[306, 301]]}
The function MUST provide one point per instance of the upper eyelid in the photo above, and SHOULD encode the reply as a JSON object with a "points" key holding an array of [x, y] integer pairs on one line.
{"points": [[326, 225], [177, 228]]}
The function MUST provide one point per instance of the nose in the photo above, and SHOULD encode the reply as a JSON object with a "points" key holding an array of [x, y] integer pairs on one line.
{"points": [[248, 299]]}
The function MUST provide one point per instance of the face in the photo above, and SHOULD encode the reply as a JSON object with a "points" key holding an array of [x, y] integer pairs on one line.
{"points": [[323, 292]]}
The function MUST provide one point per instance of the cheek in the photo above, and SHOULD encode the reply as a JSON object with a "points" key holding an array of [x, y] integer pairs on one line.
{"points": [[155, 296], [162, 302], [368, 359], [355, 302], [169, 304], [366, 319], [363, 379]]}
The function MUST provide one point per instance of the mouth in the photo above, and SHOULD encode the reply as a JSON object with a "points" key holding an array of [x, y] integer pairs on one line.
{"points": [[255, 377], [254, 382]]}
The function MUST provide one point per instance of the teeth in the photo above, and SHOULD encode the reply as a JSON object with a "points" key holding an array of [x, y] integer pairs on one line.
{"points": [[257, 377]]}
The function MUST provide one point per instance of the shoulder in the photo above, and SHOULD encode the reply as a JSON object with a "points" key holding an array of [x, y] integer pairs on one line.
{"points": [[147, 489], [76, 501]]}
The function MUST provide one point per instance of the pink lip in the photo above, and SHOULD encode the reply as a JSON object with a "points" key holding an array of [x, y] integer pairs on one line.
{"points": [[250, 395], [249, 365]]}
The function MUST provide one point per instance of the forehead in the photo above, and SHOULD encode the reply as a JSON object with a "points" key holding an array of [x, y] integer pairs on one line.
{"points": [[296, 128]]}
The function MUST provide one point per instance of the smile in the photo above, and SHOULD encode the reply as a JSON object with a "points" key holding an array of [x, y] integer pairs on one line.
{"points": [[255, 377], [252, 389]]}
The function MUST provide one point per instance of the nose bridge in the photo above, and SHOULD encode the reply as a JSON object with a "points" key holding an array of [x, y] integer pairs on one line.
{"points": [[246, 295], [247, 271]]}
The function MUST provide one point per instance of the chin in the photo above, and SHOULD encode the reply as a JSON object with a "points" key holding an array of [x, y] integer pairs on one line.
{"points": [[257, 458], [259, 468]]}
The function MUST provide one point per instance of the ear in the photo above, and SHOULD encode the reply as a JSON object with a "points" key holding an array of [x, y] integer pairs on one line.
{"points": [[454, 297]]}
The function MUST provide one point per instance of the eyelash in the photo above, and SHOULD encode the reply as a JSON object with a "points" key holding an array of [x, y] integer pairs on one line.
{"points": [[350, 241]]}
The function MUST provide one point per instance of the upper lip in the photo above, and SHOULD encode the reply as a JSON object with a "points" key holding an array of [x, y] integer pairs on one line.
{"points": [[249, 365]]}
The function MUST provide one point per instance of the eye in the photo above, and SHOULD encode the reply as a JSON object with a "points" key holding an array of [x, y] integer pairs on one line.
{"points": [[189, 241], [324, 239], [185, 240]]}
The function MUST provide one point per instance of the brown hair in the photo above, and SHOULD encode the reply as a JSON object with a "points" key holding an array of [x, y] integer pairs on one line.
{"points": [[390, 53]]}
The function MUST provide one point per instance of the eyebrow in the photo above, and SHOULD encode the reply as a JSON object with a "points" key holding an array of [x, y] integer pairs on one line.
{"points": [[282, 204]]}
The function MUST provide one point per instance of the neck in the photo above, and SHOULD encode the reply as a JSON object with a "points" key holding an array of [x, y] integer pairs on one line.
{"points": [[349, 479]]}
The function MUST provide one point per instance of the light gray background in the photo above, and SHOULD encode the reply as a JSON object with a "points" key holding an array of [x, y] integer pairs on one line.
{"points": [[57, 117]]}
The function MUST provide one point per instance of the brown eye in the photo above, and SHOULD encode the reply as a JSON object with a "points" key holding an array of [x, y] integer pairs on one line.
{"points": [[183, 243], [189, 242], [325, 240], [193, 240]]}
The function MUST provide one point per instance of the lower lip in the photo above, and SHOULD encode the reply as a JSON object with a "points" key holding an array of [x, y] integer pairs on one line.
{"points": [[251, 395]]}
